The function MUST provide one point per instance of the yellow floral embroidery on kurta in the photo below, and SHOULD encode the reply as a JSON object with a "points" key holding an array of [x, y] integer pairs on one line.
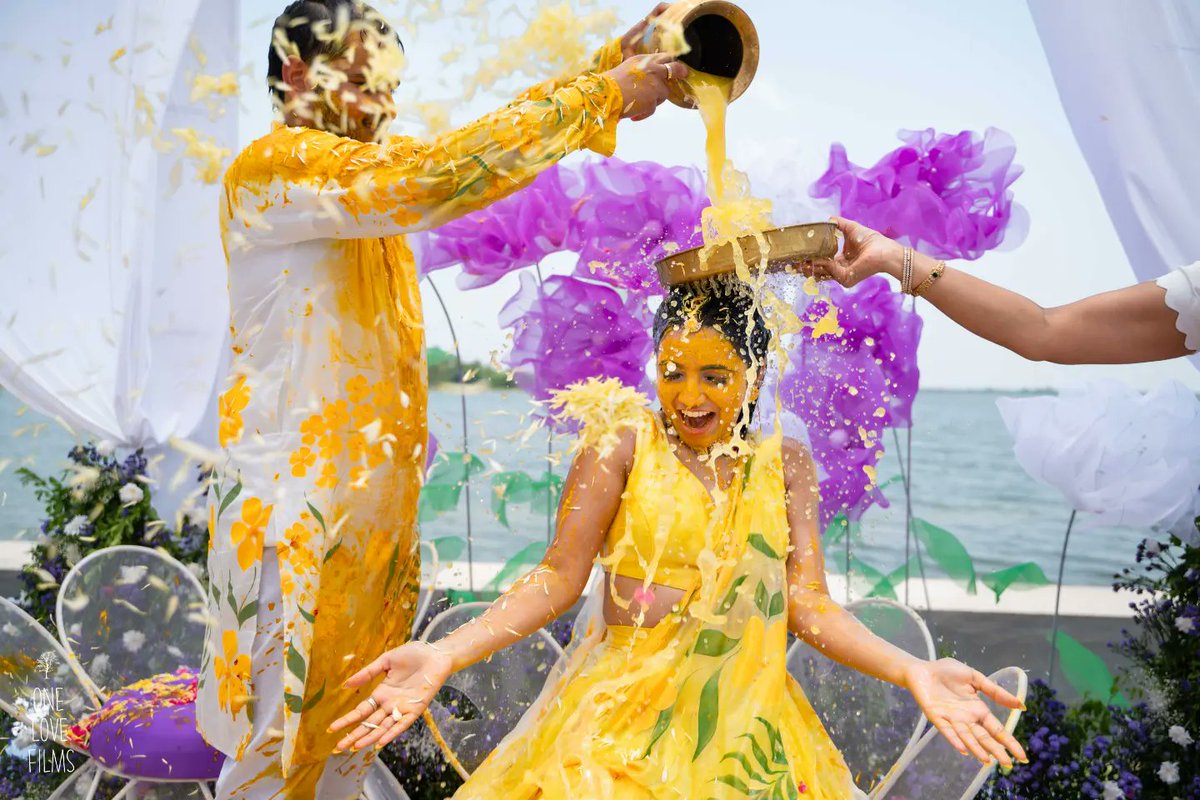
{"points": [[233, 675], [230, 407], [247, 533]]}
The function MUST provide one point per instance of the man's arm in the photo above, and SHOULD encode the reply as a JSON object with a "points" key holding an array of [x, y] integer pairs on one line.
{"points": [[301, 184]]}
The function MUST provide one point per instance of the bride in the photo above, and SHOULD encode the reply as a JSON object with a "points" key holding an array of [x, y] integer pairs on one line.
{"points": [[677, 687]]}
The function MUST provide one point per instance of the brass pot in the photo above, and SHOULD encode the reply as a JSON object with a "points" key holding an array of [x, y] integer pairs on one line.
{"points": [[720, 40]]}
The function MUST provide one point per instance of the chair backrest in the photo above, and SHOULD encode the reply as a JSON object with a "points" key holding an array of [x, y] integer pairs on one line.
{"points": [[479, 705], [41, 686], [129, 612], [381, 784], [872, 722], [429, 571], [936, 771]]}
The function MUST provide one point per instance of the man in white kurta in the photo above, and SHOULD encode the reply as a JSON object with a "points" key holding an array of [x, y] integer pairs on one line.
{"points": [[313, 546]]}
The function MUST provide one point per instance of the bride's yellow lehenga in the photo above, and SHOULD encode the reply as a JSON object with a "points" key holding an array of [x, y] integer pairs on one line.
{"points": [[701, 705]]}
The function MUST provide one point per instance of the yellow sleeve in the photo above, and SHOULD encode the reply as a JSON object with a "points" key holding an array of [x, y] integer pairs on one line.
{"points": [[298, 184], [604, 59]]}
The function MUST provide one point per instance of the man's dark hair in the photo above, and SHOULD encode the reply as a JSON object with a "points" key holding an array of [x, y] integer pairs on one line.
{"points": [[306, 24]]}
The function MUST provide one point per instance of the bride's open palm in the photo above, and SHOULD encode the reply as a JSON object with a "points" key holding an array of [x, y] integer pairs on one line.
{"points": [[948, 693], [413, 674]]}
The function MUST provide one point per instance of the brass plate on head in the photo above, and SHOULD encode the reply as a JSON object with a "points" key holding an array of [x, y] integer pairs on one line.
{"points": [[787, 247]]}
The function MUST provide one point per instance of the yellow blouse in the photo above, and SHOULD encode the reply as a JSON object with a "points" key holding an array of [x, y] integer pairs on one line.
{"points": [[665, 520]]}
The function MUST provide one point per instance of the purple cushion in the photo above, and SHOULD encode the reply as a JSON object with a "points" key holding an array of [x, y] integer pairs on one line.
{"points": [[148, 730]]}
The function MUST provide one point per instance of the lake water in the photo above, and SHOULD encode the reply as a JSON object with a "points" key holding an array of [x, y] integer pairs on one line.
{"points": [[965, 479]]}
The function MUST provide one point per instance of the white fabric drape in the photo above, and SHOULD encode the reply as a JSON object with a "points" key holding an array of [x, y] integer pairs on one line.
{"points": [[113, 304], [1128, 74]]}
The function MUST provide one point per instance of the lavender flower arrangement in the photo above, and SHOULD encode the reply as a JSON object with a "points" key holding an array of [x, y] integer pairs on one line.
{"points": [[1147, 751]]}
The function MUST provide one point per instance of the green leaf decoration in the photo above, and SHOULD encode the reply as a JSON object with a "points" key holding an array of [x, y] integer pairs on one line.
{"points": [[541, 494], [295, 702], [316, 698], [1026, 574], [777, 605], [731, 595], [393, 563], [714, 643], [329, 553], [762, 598], [443, 488], [528, 556], [777, 751], [738, 786], [892, 481], [295, 662], [449, 548], [837, 529], [757, 541], [706, 722], [949, 553], [1087, 671], [873, 582], [304, 612], [247, 613], [229, 498], [316, 514], [744, 760], [759, 755], [767, 774], [660, 727]]}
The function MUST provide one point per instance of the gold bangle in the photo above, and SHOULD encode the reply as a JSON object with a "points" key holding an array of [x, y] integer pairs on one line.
{"points": [[934, 274], [906, 271]]}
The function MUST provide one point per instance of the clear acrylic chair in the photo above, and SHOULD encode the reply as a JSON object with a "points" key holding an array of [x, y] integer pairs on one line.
{"points": [[430, 566], [381, 784], [934, 770], [873, 723], [124, 614], [479, 705]]}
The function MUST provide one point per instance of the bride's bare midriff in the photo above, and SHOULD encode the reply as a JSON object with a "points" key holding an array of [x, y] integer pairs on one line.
{"points": [[665, 598]]}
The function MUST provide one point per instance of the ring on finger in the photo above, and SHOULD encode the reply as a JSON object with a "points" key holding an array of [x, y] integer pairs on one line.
{"points": [[373, 703], [369, 725]]}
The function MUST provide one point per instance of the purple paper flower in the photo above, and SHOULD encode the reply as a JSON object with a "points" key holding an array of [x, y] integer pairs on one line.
{"points": [[518, 231], [568, 330], [946, 195], [629, 215], [848, 387]]}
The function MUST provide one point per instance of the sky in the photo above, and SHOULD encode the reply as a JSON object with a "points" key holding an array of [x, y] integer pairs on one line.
{"points": [[855, 72]]}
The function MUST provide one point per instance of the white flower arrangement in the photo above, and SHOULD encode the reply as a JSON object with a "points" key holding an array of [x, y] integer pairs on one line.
{"points": [[130, 494], [133, 640], [1180, 736], [76, 525]]}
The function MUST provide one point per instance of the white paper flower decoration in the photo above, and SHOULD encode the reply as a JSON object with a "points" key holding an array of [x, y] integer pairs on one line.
{"points": [[133, 640], [130, 493], [1179, 735], [1121, 457]]}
